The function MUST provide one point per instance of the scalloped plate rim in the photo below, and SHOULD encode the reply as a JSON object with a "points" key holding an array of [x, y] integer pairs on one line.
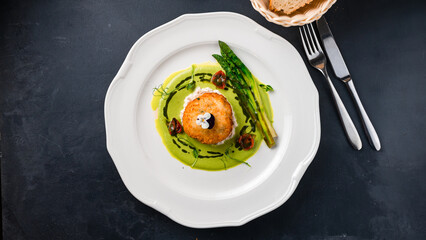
{"points": [[300, 170]]}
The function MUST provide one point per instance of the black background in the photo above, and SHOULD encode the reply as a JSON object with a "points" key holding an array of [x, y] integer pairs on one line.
{"points": [[57, 59]]}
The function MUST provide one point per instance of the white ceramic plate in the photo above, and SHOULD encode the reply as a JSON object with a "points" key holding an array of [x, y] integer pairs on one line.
{"points": [[198, 198]]}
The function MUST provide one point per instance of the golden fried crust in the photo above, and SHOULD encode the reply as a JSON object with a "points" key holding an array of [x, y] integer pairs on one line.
{"points": [[219, 107]]}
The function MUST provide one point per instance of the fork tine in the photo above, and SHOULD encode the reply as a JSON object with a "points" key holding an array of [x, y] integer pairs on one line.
{"points": [[315, 37], [307, 41], [303, 41], [312, 40]]}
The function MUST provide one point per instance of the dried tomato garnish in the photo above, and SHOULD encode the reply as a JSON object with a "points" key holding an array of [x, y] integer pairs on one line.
{"points": [[175, 127], [246, 141], [219, 79]]}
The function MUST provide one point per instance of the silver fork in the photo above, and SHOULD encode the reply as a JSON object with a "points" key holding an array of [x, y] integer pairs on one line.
{"points": [[318, 60]]}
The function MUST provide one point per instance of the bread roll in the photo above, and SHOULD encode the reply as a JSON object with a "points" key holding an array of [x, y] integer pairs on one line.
{"points": [[287, 6]]}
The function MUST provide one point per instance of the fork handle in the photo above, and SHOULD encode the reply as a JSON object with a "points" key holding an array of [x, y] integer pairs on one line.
{"points": [[346, 120], [368, 126]]}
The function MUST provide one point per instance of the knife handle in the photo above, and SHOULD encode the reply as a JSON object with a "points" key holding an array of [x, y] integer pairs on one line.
{"points": [[368, 126], [346, 120]]}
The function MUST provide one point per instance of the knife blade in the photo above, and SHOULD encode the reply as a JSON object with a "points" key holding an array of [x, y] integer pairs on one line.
{"points": [[342, 72], [332, 50]]}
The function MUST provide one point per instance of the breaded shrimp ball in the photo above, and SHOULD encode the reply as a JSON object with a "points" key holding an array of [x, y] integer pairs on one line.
{"points": [[208, 118]]}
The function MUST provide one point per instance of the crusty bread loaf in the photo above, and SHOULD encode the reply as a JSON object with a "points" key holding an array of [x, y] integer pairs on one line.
{"points": [[287, 6]]}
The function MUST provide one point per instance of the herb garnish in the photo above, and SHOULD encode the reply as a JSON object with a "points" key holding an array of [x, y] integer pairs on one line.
{"points": [[191, 84], [160, 91], [238, 160], [195, 152], [224, 163], [267, 88]]}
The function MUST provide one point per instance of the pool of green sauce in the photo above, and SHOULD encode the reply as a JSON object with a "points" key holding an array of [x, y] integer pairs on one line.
{"points": [[169, 106]]}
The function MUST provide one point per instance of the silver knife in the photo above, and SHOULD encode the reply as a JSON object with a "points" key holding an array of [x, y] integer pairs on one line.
{"points": [[342, 72]]}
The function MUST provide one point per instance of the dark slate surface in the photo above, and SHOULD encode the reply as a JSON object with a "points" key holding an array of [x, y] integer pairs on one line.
{"points": [[57, 59]]}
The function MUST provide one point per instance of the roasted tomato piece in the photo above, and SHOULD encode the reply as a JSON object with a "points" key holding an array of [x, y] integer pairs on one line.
{"points": [[246, 141], [219, 79], [175, 127]]}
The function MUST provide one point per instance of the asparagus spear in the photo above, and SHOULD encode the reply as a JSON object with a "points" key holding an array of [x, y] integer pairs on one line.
{"points": [[264, 123], [246, 98], [251, 81], [237, 86]]}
